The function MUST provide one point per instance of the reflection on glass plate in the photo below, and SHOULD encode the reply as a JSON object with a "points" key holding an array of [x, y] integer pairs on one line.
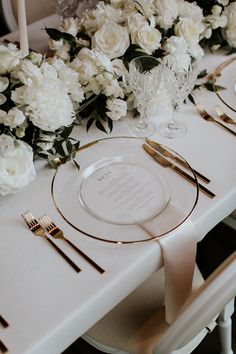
{"points": [[119, 190], [225, 76]]}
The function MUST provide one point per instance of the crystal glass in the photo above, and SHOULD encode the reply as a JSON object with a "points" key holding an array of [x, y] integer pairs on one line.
{"points": [[144, 78], [65, 8], [179, 84]]}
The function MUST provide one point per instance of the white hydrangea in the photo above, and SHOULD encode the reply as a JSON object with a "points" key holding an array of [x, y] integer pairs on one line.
{"points": [[230, 30], [167, 12], [70, 78], [13, 118], [16, 165], [117, 108]]}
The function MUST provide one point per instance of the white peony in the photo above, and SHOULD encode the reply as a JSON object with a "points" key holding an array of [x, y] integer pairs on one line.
{"points": [[28, 73], [49, 106], [16, 165], [117, 108], [111, 39], [13, 118], [9, 57]]}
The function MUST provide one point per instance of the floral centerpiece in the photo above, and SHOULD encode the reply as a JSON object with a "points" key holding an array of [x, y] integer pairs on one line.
{"points": [[43, 98]]}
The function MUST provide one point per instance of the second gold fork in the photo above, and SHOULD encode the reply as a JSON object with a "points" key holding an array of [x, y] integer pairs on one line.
{"points": [[56, 232]]}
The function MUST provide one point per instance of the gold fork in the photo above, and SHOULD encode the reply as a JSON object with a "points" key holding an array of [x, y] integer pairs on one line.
{"points": [[56, 232], [37, 230], [209, 118], [223, 116]]}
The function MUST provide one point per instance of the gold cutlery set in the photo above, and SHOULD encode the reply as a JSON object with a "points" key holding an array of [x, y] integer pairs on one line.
{"points": [[4, 324], [221, 115], [166, 159], [46, 228]]}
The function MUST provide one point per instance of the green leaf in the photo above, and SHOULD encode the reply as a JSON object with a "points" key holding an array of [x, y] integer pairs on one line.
{"points": [[54, 33], [69, 146], [100, 126], [202, 74], [66, 132], [89, 123], [76, 164], [191, 99], [110, 124]]}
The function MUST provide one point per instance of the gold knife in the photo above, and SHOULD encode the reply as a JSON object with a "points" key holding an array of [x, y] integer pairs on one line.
{"points": [[167, 153], [166, 163]]}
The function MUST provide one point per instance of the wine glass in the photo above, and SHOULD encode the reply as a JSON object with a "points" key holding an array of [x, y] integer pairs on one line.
{"points": [[179, 84], [144, 78], [65, 8]]}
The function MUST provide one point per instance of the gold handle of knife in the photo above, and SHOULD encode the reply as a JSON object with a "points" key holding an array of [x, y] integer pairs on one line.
{"points": [[192, 180]]}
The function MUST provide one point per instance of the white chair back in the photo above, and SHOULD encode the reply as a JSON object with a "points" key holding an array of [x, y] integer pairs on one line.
{"points": [[203, 306]]}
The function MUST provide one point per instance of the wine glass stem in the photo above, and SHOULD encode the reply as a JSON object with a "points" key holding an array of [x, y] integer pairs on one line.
{"points": [[142, 124], [173, 119]]}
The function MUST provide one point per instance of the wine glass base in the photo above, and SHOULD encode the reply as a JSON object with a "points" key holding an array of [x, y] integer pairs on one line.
{"points": [[148, 130], [172, 130]]}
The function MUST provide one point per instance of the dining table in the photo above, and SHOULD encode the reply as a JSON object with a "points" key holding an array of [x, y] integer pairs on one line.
{"points": [[46, 304]]}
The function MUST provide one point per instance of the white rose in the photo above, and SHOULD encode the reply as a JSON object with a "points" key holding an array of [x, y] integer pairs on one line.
{"points": [[13, 118], [92, 20], [188, 29], [9, 58], [49, 106], [167, 12], [134, 22], [16, 165], [117, 108], [111, 39], [148, 38]]}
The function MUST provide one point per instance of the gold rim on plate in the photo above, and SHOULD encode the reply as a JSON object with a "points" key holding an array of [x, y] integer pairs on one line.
{"points": [[101, 237]]}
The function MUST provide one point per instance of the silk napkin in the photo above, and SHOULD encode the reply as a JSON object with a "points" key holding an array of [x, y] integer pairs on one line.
{"points": [[179, 254]]}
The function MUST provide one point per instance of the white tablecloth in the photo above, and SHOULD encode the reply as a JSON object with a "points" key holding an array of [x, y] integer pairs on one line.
{"points": [[48, 305]]}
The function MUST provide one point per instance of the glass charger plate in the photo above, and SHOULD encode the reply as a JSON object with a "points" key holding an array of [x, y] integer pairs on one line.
{"points": [[225, 76], [118, 190]]}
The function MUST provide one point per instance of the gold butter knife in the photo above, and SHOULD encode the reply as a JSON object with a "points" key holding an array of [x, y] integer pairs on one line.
{"points": [[166, 163], [167, 153]]}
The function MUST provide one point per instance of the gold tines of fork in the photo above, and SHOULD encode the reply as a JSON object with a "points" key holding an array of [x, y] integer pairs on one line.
{"points": [[203, 113], [223, 116], [38, 230], [56, 232]]}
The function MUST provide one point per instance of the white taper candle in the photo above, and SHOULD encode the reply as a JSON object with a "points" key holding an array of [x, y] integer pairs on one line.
{"points": [[22, 24]]}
